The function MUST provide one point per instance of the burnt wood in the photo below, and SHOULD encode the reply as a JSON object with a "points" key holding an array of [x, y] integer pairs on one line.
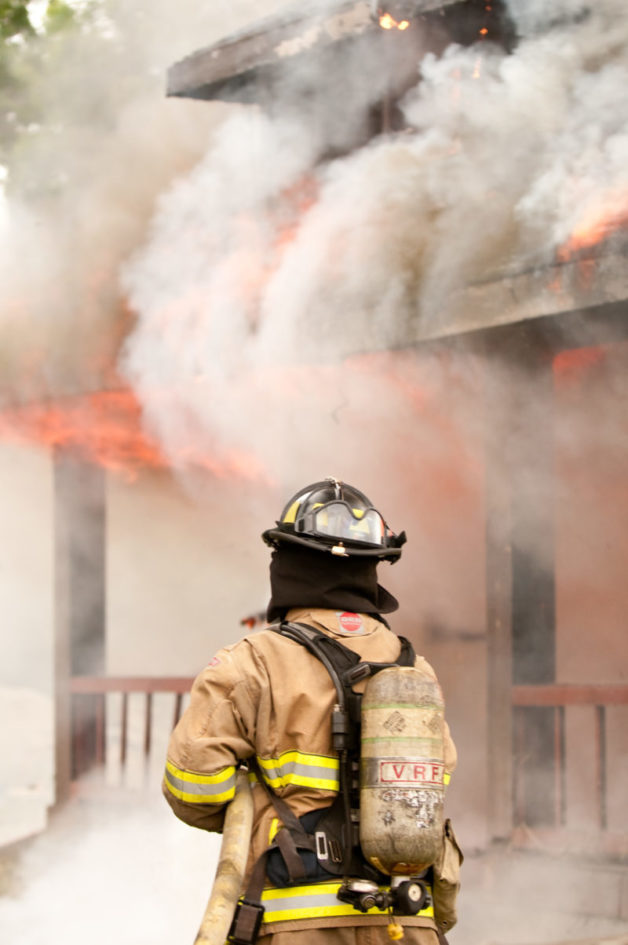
{"points": [[252, 65]]}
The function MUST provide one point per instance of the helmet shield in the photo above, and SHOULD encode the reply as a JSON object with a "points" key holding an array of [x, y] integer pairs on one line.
{"points": [[338, 520]]}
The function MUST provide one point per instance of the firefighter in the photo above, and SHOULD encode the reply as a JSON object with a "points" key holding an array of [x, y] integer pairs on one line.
{"points": [[267, 702]]}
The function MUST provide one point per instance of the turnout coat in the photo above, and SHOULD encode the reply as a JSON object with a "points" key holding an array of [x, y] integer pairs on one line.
{"points": [[267, 697]]}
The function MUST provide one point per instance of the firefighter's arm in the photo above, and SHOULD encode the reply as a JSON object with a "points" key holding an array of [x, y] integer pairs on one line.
{"points": [[214, 734]]}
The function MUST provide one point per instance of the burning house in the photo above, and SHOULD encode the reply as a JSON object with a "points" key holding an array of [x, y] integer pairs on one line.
{"points": [[403, 255], [535, 323]]}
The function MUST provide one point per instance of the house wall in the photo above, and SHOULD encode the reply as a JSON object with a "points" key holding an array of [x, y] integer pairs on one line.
{"points": [[26, 640], [185, 563]]}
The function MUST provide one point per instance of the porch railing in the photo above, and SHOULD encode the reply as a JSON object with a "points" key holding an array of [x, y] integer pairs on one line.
{"points": [[98, 726], [569, 745], [569, 748]]}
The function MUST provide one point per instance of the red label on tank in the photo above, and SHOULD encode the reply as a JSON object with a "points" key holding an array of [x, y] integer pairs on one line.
{"points": [[411, 772], [352, 623]]}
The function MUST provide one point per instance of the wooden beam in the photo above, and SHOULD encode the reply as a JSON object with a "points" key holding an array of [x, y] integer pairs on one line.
{"points": [[251, 65], [79, 544], [520, 558]]}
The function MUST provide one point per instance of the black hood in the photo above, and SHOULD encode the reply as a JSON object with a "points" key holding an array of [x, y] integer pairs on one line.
{"points": [[303, 577]]}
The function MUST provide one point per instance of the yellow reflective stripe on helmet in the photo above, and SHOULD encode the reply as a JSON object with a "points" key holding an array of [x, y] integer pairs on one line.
{"points": [[200, 788], [315, 901], [291, 514], [296, 767]]}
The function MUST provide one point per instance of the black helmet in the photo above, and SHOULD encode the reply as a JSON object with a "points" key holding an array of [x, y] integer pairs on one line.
{"points": [[333, 516]]}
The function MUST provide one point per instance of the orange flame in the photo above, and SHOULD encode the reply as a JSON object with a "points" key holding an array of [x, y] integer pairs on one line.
{"points": [[105, 428], [388, 23], [573, 364], [598, 224]]}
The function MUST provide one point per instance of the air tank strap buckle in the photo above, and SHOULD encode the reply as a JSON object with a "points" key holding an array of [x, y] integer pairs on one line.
{"points": [[353, 675], [246, 923], [363, 895]]}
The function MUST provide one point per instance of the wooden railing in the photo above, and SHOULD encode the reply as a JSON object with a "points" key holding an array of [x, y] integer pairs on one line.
{"points": [[89, 719], [540, 718]]}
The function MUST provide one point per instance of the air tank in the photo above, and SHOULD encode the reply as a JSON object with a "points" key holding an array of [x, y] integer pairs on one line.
{"points": [[402, 771]]}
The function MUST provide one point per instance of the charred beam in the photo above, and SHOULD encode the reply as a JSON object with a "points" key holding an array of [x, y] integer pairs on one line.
{"points": [[251, 66]]}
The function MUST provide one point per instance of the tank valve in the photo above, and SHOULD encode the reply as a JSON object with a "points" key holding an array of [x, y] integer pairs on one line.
{"points": [[363, 895], [408, 897]]}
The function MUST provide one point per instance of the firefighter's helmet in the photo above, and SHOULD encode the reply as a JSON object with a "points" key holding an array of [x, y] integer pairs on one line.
{"points": [[335, 517]]}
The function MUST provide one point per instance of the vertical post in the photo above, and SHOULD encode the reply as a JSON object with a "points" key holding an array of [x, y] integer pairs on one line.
{"points": [[600, 739], [178, 702], [520, 570], [79, 602], [124, 724], [559, 766], [62, 648], [498, 609]]}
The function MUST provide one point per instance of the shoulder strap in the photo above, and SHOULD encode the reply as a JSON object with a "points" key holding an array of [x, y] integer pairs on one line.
{"points": [[344, 666], [345, 669], [337, 659]]}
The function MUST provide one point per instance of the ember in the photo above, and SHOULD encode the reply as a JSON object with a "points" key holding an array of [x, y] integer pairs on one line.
{"points": [[388, 23]]}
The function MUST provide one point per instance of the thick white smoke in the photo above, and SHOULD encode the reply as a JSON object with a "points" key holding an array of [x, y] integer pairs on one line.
{"points": [[103, 143], [506, 157]]}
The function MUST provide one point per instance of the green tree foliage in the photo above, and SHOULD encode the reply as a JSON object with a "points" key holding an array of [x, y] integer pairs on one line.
{"points": [[14, 19], [58, 16], [28, 58]]}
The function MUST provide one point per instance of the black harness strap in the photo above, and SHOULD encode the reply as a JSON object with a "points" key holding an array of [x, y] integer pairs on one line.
{"points": [[345, 669]]}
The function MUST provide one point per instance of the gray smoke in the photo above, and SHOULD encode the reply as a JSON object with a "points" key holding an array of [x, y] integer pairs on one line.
{"points": [[505, 158], [266, 263], [83, 184]]}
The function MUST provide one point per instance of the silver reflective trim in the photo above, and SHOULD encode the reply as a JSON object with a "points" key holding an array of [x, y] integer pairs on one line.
{"points": [[204, 789], [301, 902], [321, 778]]}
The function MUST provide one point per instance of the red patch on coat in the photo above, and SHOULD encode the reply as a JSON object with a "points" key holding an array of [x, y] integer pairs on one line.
{"points": [[352, 623]]}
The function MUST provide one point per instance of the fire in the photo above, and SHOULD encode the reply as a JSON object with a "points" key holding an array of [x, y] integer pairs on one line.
{"points": [[105, 428], [573, 364], [387, 22], [596, 226]]}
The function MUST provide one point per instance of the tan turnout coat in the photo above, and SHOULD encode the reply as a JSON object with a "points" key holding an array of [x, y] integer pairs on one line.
{"points": [[267, 696]]}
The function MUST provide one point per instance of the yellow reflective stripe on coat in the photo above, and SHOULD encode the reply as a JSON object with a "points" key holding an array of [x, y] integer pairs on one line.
{"points": [[296, 767], [312, 902], [200, 788]]}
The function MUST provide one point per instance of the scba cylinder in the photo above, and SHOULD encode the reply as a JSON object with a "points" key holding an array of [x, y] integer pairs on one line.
{"points": [[402, 770]]}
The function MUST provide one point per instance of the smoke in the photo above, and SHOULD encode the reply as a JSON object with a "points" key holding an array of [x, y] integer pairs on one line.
{"points": [[117, 870], [294, 263], [247, 270], [281, 260], [97, 142]]}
